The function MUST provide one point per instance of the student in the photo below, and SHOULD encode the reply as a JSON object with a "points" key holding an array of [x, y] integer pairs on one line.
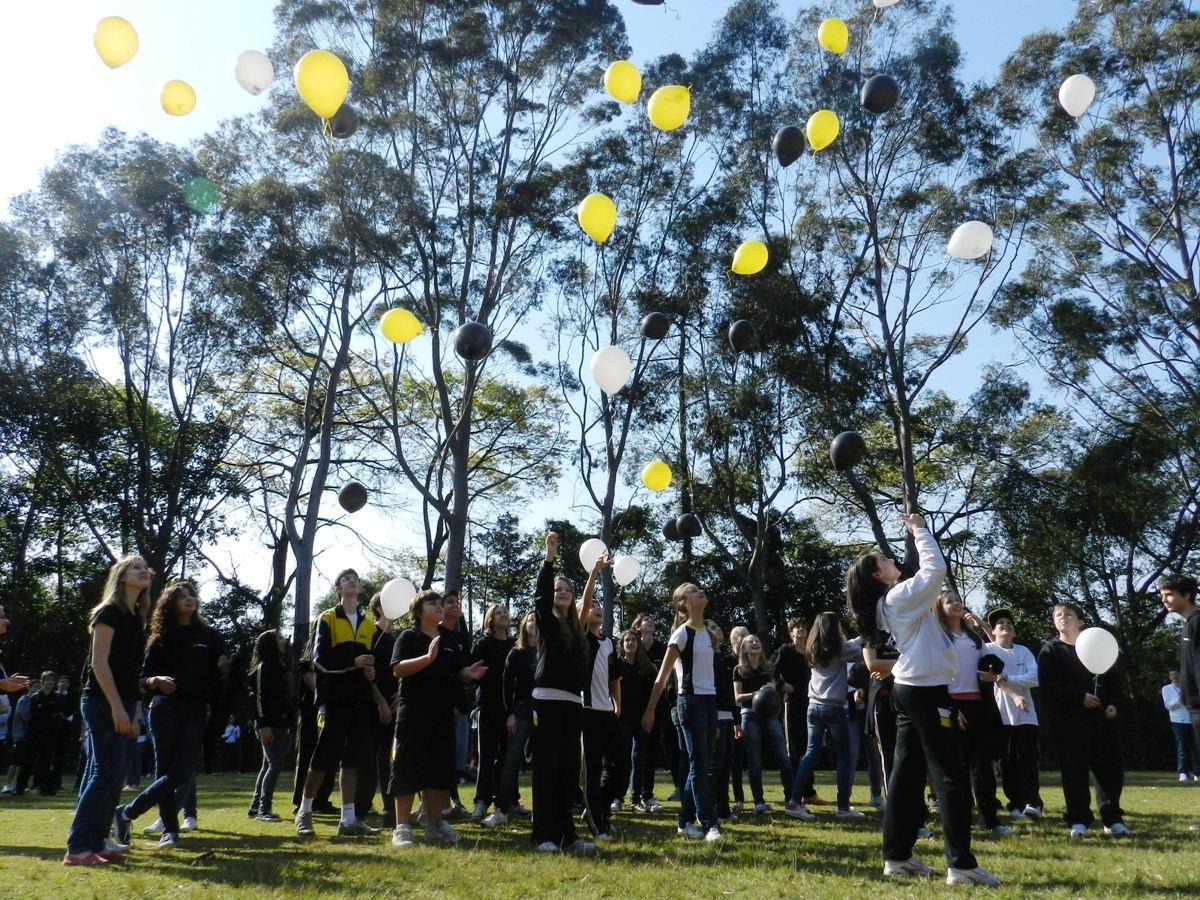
{"points": [[1085, 709], [8, 684], [689, 656], [492, 650], [22, 762], [737, 634], [925, 732], [559, 681], [423, 759], [111, 709], [1187, 760], [183, 663], [377, 764], [42, 736], [827, 653], [307, 731], [637, 677], [1018, 715], [791, 667], [518, 706], [727, 721], [68, 729], [974, 711], [456, 640], [1178, 595], [348, 704], [662, 738], [758, 733], [272, 719], [601, 706]]}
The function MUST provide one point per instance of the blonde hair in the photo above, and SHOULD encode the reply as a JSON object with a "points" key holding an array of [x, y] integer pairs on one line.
{"points": [[737, 634], [743, 657], [114, 589], [489, 615], [679, 602]]}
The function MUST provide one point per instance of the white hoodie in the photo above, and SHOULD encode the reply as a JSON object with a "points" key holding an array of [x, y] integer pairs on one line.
{"points": [[927, 657]]}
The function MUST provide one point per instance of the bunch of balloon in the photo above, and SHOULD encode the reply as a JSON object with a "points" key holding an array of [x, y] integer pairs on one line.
{"points": [[322, 82]]}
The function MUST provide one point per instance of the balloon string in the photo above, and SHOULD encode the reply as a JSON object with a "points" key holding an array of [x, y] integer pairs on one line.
{"points": [[326, 128]]}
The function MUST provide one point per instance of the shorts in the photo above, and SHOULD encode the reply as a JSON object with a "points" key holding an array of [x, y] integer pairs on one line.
{"points": [[345, 731], [423, 751]]}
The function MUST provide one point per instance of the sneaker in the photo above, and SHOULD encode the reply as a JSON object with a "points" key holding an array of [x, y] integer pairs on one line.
{"points": [[760, 808], [850, 815], [168, 840], [83, 859], [690, 831], [1016, 815], [421, 818], [111, 846], [615, 806], [1196, 778], [122, 826], [579, 845], [1033, 812], [637, 806], [252, 813], [546, 847], [911, 868], [1117, 829], [357, 828], [189, 825], [1077, 830], [155, 828], [402, 836], [605, 837], [456, 811], [876, 802], [495, 820], [713, 836], [304, 825], [1183, 777], [794, 810], [674, 797], [737, 808], [1001, 831], [478, 813], [924, 834], [116, 857], [518, 811], [653, 806], [267, 816], [978, 876], [441, 833]]}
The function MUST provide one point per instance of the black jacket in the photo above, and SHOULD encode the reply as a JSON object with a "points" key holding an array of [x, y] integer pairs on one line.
{"points": [[1189, 660], [271, 708], [1063, 680], [562, 662], [189, 656], [493, 652], [518, 679]]}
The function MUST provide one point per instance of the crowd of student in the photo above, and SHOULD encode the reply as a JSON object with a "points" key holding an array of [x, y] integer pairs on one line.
{"points": [[938, 697]]}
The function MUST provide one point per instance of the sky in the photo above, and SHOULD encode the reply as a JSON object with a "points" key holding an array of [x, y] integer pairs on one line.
{"points": [[57, 92]]}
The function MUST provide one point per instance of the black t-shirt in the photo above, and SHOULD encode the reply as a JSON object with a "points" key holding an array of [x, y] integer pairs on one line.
{"points": [[493, 651], [189, 656], [124, 654], [635, 692], [518, 678], [431, 688], [791, 667], [751, 681], [387, 683], [456, 642]]}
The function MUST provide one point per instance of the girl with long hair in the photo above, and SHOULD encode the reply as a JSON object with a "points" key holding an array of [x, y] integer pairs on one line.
{"points": [[518, 708], [111, 709], [492, 650], [925, 732], [602, 701], [664, 738], [727, 712], [184, 660], [637, 679], [272, 719], [754, 671]]}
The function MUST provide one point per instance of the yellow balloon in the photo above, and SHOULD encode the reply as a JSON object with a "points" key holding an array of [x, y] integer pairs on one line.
{"points": [[833, 35], [750, 258], [656, 476], [597, 216], [822, 129], [115, 41], [400, 326], [178, 98], [669, 107], [322, 81], [623, 81]]}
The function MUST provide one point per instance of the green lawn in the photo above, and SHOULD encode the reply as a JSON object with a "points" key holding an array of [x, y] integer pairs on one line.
{"points": [[768, 857]]}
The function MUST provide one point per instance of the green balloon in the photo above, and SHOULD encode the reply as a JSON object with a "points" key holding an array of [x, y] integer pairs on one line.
{"points": [[201, 195]]}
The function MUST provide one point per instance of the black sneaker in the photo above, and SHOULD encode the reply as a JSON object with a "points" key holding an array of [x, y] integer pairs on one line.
{"points": [[267, 816], [122, 825], [252, 813]]}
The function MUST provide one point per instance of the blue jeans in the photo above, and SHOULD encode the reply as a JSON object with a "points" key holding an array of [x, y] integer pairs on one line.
{"points": [[177, 729], [698, 721], [821, 719], [721, 766], [642, 776], [1186, 761], [755, 733], [102, 779]]}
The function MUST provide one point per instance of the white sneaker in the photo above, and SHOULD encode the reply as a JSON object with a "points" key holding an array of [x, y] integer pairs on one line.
{"points": [[495, 820], [714, 836], [579, 845], [978, 876], [794, 810], [1196, 778], [1183, 777], [615, 806], [155, 828], [479, 812], [653, 806], [402, 836], [546, 847], [1001, 831], [1077, 830], [114, 846], [911, 867], [167, 841], [1117, 829], [189, 825], [441, 833], [1033, 812], [850, 815], [691, 832]]}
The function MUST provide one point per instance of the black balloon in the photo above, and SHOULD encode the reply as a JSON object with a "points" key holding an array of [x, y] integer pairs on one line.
{"points": [[742, 335], [352, 496], [880, 93], [473, 341], [847, 450], [767, 702], [788, 144], [649, 2], [688, 525], [655, 326], [670, 530], [344, 122]]}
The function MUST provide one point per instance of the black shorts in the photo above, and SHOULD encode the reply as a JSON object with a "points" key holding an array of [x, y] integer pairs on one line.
{"points": [[345, 733], [423, 751]]}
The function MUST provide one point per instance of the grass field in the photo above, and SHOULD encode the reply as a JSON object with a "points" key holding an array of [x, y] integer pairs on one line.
{"points": [[769, 856]]}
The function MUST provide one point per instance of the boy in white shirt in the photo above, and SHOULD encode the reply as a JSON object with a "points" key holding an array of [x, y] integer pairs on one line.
{"points": [[1187, 758], [1014, 700]]}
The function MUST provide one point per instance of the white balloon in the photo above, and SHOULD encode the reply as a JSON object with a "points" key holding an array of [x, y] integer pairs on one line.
{"points": [[626, 569], [394, 597], [1097, 650], [884, 4], [970, 240], [610, 368], [1077, 94], [254, 71], [590, 551]]}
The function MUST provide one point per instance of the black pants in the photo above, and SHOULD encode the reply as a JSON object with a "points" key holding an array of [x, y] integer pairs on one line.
{"points": [[602, 748], [42, 744], [306, 741], [374, 771], [556, 730], [1091, 743], [493, 735], [927, 738], [1019, 773], [722, 764], [979, 745], [795, 729]]}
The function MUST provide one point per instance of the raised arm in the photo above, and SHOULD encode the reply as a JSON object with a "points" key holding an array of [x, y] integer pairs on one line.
{"points": [[589, 590], [918, 592], [543, 600]]}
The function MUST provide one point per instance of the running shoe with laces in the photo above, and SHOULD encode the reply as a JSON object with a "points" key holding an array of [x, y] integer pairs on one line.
{"points": [[495, 820], [653, 806], [441, 833], [168, 840], [479, 812], [122, 826], [1117, 829], [1032, 812], [155, 827], [546, 847], [850, 815], [713, 835], [911, 868], [794, 810], [83, 859], [402, 836], [580, 846], [189, 825], [690, 832], [267, 816], [304, 826], [112, 845], [981, 877], [357, 828]]}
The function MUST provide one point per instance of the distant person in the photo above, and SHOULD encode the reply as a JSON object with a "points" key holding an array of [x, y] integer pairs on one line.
{"points": [[492, 650], [1187, 758], [1018, 717], [272, 720], [45, 721], [518, 705]]}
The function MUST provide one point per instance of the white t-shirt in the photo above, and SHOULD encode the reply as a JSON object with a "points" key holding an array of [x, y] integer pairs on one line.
{"points": [[1173, 701], [1021, 676], [967, 654], [694, 668]]}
